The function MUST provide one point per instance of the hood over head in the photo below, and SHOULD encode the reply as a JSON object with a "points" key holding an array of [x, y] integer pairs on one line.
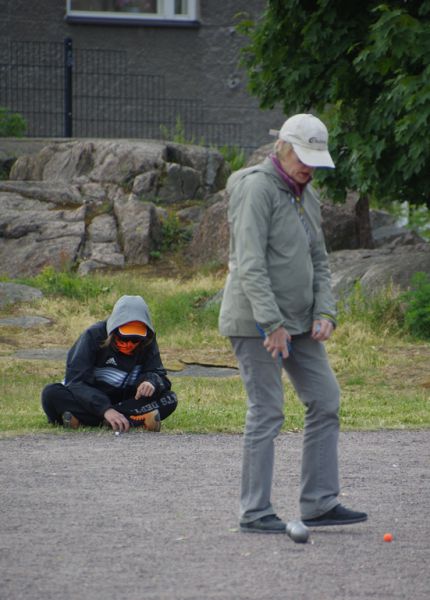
{"points": [[127, 309]]}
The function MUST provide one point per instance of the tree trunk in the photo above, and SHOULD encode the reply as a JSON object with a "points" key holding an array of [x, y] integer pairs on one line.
{"points": [[364, 229]]}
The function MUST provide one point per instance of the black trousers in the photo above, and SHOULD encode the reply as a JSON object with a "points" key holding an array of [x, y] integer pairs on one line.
{"points": [[57, 399]]}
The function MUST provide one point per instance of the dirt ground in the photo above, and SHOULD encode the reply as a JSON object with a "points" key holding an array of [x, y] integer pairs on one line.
{"points": [[143, 516]]}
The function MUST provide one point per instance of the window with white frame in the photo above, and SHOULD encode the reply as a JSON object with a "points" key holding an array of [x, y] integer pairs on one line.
{"points": [[138, 10]]}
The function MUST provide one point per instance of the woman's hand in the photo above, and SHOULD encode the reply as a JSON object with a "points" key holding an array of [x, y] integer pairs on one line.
{"points": [[277, 342], [321, 330]]}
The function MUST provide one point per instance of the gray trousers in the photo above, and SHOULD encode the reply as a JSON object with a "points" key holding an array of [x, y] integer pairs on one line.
{"points": [[315, 383]]}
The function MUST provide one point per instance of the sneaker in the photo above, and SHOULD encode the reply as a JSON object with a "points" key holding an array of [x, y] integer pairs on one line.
{"points": [[150, 420], [70, 421], [267, 524], [339, 515]]}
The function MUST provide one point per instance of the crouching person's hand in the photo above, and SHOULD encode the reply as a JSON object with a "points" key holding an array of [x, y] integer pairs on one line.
{"points": [[116, 420], [145, 389]]}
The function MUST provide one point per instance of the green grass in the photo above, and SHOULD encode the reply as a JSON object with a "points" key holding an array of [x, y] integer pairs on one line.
{"points": [[384, 374], [219, 404]]}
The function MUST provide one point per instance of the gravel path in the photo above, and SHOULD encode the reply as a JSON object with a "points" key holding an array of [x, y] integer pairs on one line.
{"points": [[93, 516]]}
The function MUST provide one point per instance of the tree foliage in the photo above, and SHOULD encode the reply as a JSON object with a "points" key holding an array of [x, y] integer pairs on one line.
{"points": [[364, 68]]}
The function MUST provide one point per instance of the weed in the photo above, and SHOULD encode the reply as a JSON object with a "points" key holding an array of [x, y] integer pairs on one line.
{"points": [[177, 134], [234, 156], [417, 309], [173, 234], [381, 310]]}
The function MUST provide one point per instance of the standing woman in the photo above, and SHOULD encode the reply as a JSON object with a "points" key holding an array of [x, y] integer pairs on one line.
{"points": [[114, 375], [279, 285]]}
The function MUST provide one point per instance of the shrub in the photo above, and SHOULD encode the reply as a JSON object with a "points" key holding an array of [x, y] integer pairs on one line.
{"points": [[66, 283], [174, 234], [419, 220], [11, 124]]}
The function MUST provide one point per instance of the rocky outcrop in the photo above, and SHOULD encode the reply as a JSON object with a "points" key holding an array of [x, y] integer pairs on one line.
{"points": [[170, 171], [93, 204], [97, 204], [378, 268]]}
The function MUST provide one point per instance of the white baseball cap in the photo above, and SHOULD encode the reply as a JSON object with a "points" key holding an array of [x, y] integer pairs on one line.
{"points": [[309, 138]]}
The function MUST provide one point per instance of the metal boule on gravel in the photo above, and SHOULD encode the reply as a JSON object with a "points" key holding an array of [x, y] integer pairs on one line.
{"points": [[298, 532]]}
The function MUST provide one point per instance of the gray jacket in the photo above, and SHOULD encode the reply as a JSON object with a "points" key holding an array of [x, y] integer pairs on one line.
{"points": [[278, 267]]}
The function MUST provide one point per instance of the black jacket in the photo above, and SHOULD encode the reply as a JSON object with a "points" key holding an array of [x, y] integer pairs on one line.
{"points": [[102, 376]]}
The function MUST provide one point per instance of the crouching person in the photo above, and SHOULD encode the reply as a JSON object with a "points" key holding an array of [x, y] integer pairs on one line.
{"points": [[114, 375]]}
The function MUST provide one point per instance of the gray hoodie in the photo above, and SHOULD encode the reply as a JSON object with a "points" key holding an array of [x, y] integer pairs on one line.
{"points": [[126, 309]]}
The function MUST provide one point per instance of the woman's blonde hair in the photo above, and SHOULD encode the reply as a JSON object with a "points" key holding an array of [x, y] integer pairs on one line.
{"points": [[282, 148]]}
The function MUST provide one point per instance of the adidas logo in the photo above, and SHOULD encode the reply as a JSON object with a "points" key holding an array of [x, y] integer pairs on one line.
{"points": [[111, 361]]}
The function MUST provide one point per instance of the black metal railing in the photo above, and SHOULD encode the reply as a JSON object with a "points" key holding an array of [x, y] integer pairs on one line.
{"points": [[64, 91]]}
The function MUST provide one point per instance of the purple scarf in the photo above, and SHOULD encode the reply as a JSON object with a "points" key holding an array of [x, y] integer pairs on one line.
{"points": [[296, 188]]}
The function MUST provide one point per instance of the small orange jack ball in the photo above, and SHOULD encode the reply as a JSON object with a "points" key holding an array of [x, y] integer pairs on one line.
{"points": [[388, 537]]}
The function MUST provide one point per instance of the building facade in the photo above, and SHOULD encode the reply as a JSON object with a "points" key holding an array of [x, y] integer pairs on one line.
{"points": [[131, 68]]}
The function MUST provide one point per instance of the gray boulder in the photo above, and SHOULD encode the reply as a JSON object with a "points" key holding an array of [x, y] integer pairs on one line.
{"points": [[25, 322], [340, 226], [101, 248], [11, 293], [179, 182], [45, 191], [395, 236], [377, 268], [139, 228], [33, 235], [193, 169], [210, 241], [70, 203], [102, 229]]}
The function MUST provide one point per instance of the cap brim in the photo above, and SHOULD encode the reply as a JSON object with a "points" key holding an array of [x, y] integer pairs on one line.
{"points": [[133, 328], [314, 158]]}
